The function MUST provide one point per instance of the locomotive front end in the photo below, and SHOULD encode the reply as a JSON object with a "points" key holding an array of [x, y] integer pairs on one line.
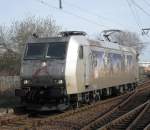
{"points": [[43, 74]]}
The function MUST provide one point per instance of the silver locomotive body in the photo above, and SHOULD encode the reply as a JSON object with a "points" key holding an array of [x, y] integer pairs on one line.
{"points": [[70, 70], [43, 73]]}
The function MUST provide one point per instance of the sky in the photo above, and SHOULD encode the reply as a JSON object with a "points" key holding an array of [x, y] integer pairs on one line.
{"points": [[91, 16]]}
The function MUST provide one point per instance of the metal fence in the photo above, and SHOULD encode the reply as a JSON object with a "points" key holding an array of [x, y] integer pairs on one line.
{"points": [[9, 64], [9, 68], [8, 84]]}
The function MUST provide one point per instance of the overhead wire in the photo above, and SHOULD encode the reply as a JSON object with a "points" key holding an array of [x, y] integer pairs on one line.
{"points": [[70, 13], [91, 13], [133, 14], [144, 11], [139, 7], [137, 16]]}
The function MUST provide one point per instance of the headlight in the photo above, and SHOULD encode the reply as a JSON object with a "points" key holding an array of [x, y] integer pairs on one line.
{"points": [[60, 81], [44, 64], [26, 81]]}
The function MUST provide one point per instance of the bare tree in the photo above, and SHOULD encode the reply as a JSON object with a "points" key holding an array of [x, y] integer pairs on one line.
{"points": [[5, 39], [14, 37], [129, 39], [24, 29]]}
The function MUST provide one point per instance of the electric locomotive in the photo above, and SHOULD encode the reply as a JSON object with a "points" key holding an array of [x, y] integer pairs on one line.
{"points": [[70, 69]]}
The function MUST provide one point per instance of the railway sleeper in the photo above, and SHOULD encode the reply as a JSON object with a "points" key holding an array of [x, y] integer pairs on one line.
{"points": [[129, 116], [142, 119]]}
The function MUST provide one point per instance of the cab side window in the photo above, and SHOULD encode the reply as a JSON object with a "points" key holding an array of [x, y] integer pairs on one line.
{"points": [[81, 52]]}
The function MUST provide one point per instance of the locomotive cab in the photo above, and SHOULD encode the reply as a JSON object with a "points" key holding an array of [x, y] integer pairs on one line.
{"points": [[43, 73]]}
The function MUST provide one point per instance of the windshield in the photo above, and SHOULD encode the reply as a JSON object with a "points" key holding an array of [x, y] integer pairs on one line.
{"points": [[56, 50], [46, 50], [35, 50]]}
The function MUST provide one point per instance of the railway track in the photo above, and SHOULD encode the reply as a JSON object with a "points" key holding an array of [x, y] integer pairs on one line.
{"points": [[73, 119], [142, 120], [138, 98], [137, 119], [91, 117]]}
